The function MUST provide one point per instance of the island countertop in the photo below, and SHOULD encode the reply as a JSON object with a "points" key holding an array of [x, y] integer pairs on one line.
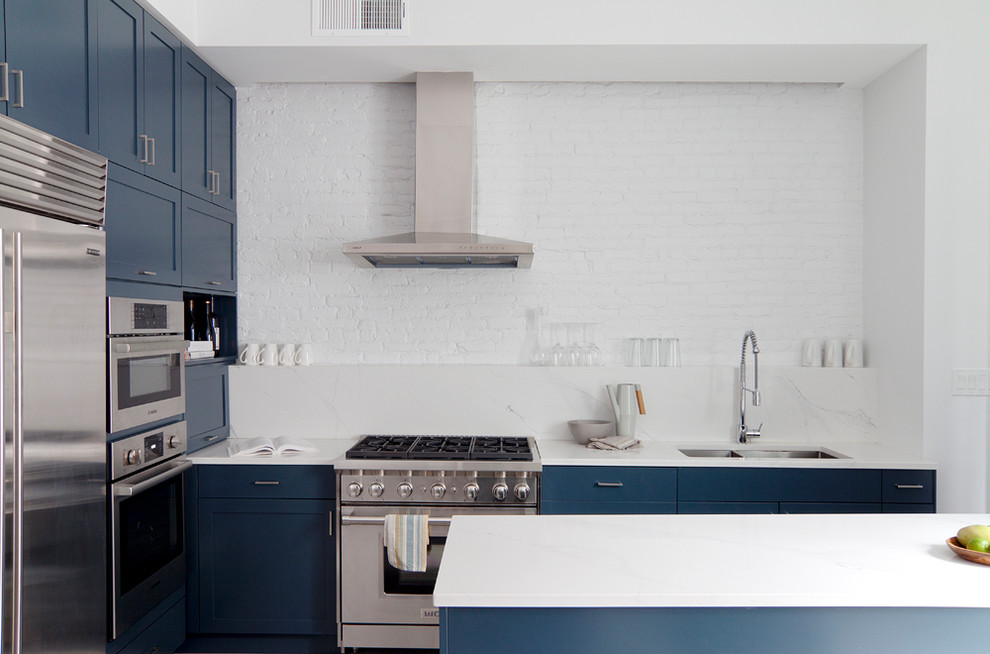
{"points": [[876, 560]]}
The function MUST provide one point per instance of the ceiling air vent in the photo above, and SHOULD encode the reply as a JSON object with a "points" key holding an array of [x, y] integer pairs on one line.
{"points": [[360, 17]]}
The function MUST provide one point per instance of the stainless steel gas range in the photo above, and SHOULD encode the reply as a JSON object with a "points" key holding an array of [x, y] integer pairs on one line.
{"points": [[439, 476]]}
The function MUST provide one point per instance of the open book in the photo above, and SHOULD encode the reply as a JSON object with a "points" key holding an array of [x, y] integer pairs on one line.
{"points": [[283, 445]]}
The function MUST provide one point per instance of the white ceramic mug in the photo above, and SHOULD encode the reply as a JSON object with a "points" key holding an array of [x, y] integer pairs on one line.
{"points": [[852, 355], [287, 355], [811, 353], [269, 355], [304, 355], [833, 353], [251, 354]]}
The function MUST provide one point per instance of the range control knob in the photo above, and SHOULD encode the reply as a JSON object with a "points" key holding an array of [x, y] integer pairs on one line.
{"points": [[133, 457], [500, 491], [471, 491], [404, 489], [438, 490], [376, 489], [522, 491], [354, 489], [174, 442]]}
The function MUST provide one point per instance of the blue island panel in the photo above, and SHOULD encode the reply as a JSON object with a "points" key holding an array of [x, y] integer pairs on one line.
{"points": [[740, 630]]}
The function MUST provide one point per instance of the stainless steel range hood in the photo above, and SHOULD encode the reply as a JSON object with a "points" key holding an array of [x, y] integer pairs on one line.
{"points": [[443, 236]]}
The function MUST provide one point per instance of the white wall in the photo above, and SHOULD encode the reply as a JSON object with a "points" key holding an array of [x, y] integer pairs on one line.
{"points": [[894, 244], [689, 210]]}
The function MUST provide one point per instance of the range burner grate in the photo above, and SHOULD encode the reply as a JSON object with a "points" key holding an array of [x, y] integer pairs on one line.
{"points": [[455, 448]]}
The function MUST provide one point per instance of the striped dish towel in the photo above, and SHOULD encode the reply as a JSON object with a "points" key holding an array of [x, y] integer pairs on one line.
{"points": [[406, 539], [613, 443]]}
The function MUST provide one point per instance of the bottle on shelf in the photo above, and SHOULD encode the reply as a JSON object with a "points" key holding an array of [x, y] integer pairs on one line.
{"points": [[212, 326], [192, 329]]}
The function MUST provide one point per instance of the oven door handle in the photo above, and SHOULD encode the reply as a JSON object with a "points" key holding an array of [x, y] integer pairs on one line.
{"points": [[129, 490], [151, 348], [374, 520]]}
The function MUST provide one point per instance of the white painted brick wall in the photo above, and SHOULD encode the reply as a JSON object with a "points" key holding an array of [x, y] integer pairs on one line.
{"points": [[690, 210]]}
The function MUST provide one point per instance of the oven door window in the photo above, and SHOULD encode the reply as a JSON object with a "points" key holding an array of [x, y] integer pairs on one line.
{"points": [[402, 582], [151, 532], [146, 379]]}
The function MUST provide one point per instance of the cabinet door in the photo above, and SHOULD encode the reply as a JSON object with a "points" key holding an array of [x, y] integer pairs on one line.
{"points": [[567, 507], [164, 636], [207, 408], [209, 242], [222, 147], [727, 507], [266, 566], [121, 83], [162, 64], [197, 84], [143, 225], [52, 43]]}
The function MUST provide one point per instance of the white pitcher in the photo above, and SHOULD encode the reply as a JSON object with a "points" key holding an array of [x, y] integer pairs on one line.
{"points": [[626, 407]]}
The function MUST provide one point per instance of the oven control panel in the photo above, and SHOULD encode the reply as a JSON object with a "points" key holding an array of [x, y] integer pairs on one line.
{"points": [[509, 488], [140, 451]]}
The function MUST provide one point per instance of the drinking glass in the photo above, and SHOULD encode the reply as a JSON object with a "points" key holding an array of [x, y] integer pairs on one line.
{"points": [[575, 347], [558, 335], [592, 353], [635, 352], [671, 352], [656, 351]]}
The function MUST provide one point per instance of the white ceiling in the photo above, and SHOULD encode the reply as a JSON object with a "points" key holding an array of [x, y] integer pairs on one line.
{"points": [[856, 65]]}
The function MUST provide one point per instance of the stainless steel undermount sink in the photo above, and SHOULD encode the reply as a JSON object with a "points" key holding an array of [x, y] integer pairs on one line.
{"points": [[764, 453]]}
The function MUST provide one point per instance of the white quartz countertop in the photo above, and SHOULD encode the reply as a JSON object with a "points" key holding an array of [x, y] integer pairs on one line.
{"points": [[667, 453], [570, 453], [895, 560], [328, 450]]}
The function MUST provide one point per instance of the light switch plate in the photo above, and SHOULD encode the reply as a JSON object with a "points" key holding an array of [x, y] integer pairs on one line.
{"points": [[971, 381]]}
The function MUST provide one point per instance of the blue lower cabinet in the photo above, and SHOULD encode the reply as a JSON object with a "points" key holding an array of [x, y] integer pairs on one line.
{"points": [[742, 630], [608, 489], [207, 406], [266, 566], [727, 507]]}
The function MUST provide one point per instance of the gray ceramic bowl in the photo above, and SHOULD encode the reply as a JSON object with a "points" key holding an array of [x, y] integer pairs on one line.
{"points": [[585, 430]]}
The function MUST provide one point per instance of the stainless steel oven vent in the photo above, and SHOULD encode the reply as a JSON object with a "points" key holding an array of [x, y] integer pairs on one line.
{"points": [[444, 235]]}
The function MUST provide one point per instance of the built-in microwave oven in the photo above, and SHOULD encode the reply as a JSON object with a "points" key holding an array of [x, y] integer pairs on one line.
{"points": [[145, 355]]}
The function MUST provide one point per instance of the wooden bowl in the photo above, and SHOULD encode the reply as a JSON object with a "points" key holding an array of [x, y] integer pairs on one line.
{"points": [[969, 555]]}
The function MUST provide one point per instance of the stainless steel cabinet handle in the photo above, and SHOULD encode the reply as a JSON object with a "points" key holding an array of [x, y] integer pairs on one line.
{"points": [[18, 434], [20, 88], [149, 273], [210, 184], [210, 438], [4, 82], [218, 183], [609, 484], [266, 483], [910, 486], [144, 148], [151, 139], [212, 283]]}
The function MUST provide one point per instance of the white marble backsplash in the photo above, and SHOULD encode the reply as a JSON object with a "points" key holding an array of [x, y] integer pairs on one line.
{"points": [[682, 404]]}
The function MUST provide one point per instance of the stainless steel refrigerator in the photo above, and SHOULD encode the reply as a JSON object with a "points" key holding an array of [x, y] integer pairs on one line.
{"points": [[53, 404]]}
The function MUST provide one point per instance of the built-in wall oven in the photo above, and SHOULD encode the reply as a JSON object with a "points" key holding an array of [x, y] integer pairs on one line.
{"points": [[441, 477], [147, 540], [146, 362]]}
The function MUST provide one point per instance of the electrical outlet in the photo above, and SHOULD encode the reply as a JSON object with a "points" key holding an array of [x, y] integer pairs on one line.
{"points": [[971, 381]]}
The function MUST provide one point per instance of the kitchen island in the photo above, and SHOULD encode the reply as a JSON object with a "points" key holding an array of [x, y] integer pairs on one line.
{"points": [[705, 583]]}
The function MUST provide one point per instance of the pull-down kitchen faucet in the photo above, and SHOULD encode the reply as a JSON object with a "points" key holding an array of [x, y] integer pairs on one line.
{"points": [[745, 433]]}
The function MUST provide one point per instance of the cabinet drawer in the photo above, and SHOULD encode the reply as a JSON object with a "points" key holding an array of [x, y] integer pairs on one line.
{"points": [[609, 484], [727, 507], [266, 481], [566, 507], [163, 636], [777, 485], [909, 486]]}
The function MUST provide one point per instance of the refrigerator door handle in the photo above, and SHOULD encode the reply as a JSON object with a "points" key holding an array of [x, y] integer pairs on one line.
{"points": [[3, 416], [18, 429]]}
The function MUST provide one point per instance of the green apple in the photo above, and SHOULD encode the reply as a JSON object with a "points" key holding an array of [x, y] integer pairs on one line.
{"points": [[970, 532]]}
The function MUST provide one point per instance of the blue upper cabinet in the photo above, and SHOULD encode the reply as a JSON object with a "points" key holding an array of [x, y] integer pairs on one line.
{"points": [[50, 67], [143, 228], [209, 244], [208, 124], [138, 91]]}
